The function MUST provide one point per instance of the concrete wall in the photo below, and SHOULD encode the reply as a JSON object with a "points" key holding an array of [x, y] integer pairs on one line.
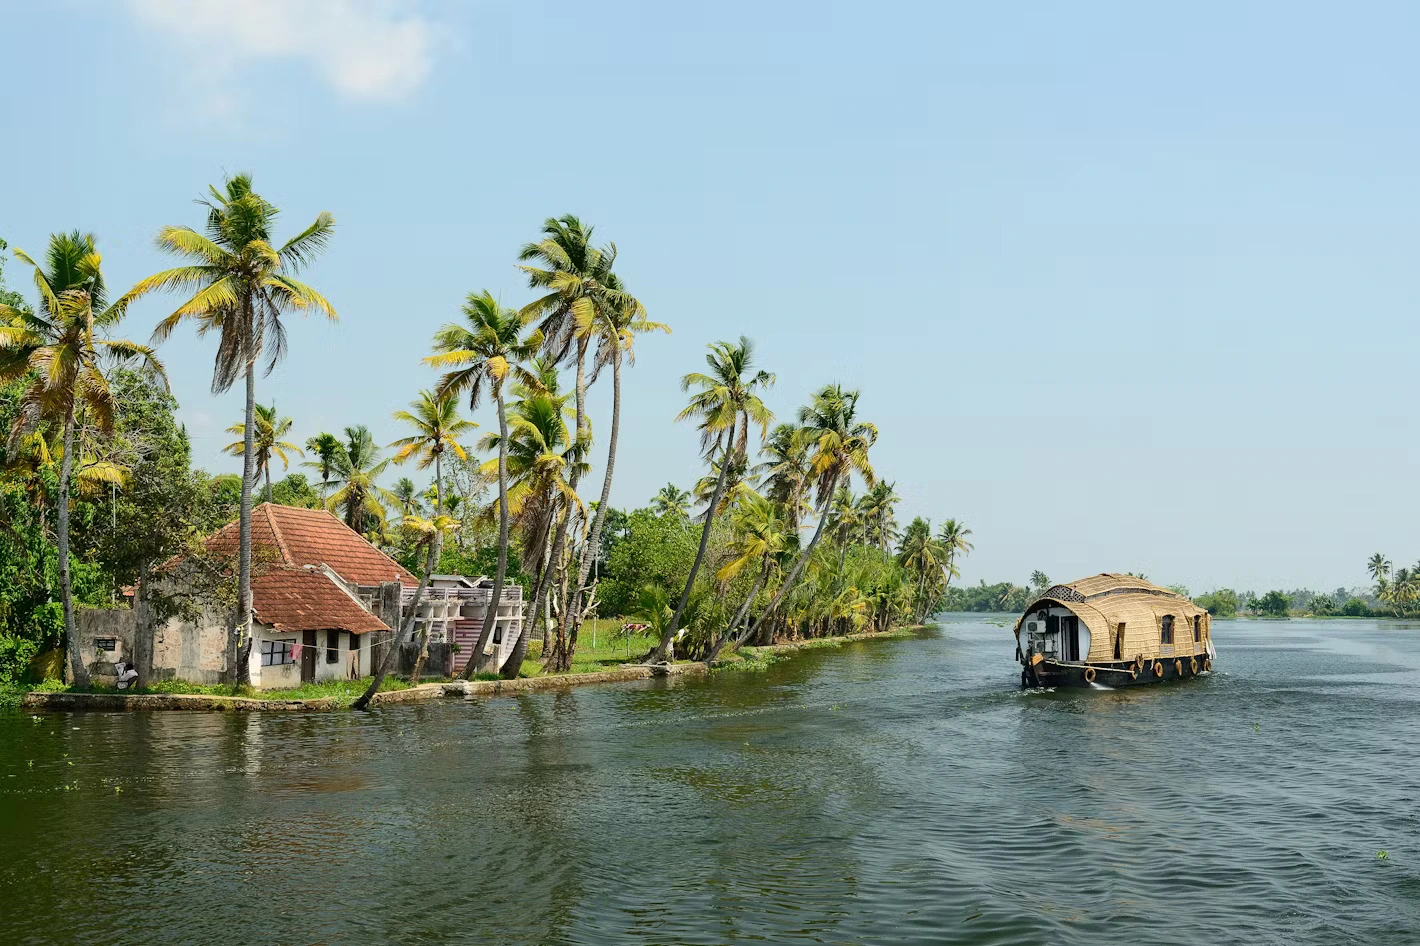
{"points": [[92, 625], [191, 651], [284, 676]]}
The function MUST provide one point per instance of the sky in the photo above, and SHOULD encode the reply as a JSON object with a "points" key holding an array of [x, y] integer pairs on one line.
{"points": [[1125, 286]]}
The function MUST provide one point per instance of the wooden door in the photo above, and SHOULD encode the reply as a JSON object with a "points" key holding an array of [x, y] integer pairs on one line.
{"points": [[308, 657], [1071, 626]]}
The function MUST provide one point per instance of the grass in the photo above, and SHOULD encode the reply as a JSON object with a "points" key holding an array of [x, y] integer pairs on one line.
{"points": [[343, 692]]}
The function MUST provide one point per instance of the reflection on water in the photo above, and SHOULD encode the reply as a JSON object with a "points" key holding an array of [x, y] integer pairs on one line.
{"points": [[888, 792]]}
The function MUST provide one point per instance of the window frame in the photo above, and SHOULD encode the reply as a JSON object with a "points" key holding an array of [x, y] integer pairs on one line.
{"points": [[1166, 630], [272, 650], [1198, 629], [332, 646]]}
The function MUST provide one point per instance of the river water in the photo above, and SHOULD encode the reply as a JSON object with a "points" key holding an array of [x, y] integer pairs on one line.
{"points": [[886, 792]]}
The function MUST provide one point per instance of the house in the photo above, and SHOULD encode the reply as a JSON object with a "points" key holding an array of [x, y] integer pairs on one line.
{"points": [[325, 604]]}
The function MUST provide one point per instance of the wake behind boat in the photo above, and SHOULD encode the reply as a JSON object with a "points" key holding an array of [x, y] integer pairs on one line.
{"points": [[1115, 629]]}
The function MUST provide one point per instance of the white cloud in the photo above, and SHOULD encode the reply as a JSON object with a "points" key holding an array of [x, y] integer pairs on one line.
{"points": [[379, 50]]}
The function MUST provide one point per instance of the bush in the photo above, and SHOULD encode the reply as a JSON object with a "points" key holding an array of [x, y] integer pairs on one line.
{"points": [[1222, 603], [1355, 608], [1274, 604], [15, 656]]}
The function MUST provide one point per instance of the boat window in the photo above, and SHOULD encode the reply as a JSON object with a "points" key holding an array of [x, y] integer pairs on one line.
{"points": [[1166, 634], [1197, 628], [1119, 642]]}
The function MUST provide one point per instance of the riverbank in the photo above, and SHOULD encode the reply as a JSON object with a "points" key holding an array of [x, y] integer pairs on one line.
{"points": [[340, 695]]}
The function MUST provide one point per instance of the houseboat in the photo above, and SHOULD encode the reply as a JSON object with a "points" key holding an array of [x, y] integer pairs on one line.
{"points": [[1111, 630]]}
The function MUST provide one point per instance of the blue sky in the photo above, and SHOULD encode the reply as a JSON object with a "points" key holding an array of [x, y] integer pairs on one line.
{"points": [[1124, 287]]}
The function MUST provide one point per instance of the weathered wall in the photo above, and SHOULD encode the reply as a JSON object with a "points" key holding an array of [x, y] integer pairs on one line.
{"points": [[195, 652], [91, 625]]}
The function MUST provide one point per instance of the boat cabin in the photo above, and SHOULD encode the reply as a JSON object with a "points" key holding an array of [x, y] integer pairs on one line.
{"points": [[1111, 625]]}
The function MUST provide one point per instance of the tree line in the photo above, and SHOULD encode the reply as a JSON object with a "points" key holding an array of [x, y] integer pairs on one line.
{"points": [[98, 491]]}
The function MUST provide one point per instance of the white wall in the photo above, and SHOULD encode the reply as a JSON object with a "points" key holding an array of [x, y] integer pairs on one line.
{"points": [[1056, 611]]}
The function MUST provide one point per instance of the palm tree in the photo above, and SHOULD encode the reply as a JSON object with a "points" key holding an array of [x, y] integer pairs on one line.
{"points": [[241, 287], [876, 510], [953, 539], [615, 329], [760, 536], [922, 555], [727, 398], [1379, 567], [580, 290], [357, 466], [671, 501], [427, 534], [844, 520], [838, 443], [269, 431], [407, 495], [482, 352], [1039, 581], [325, 447], [540, 458], [59, 347], [784, 474], [438, 427]]}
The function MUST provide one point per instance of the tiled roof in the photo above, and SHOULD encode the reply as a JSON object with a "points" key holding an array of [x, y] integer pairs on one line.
{"points": [[307, 599], [292, 536]]}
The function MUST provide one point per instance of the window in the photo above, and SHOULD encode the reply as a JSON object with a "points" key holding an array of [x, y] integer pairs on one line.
{"points": [[106, 644], [275, 653], [354, 642], [1119, 642], [1166, 633], [332, 647], [497, 633], [1197, 628]]}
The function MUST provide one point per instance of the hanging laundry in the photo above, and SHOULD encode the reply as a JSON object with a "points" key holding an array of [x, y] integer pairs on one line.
{"points": [[296, 652]]}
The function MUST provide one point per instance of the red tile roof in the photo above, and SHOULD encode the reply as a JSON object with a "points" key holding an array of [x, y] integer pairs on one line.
{"points": [[307, 599], [292, 536]]}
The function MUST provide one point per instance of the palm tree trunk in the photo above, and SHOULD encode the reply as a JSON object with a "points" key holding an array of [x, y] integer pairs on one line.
{"points": [[77, 670], [267, 472], [239, 641], [592, 547], [490, 616], [740, 615], [561, 658], [659, 655], [803, 559], [532, 614], [408, 625], [554, 661], [438, 511]]}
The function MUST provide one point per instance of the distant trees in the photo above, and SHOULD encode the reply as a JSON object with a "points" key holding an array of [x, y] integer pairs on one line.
{"points": [[1274, 604]]}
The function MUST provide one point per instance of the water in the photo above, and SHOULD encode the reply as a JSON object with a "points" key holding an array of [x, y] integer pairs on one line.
{"points": [[889, 792]]}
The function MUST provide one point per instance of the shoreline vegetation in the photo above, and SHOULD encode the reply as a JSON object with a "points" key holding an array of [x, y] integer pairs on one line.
{"points": [[789, 535], [343, 694]]}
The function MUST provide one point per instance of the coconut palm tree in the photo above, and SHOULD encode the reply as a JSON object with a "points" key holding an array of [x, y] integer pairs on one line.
{"points": [[921, 555], [242, 285], [1039, 581], [784, 474], [725, 399], [267, 441], [437, 429], [953, 539], [540, 458], [1379, 567], [844, 520], [324, 447], [615, 329], [359, 498], [483, 351], [838, 444], [671, 501], [61, 348], [427, 535], [876, 510], [760, 536], [407, 495], [580, 290]]}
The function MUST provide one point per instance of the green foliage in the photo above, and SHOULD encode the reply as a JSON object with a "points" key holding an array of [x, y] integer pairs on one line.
{"points": [[1273, 604], [648, 549], [294, 490], [1003, 596], [482, 561], [1222, 603], [1355, 608]]}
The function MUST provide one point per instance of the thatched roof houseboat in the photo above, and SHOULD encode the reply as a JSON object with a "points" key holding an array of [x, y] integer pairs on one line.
{"points": [[1114, 629]]}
